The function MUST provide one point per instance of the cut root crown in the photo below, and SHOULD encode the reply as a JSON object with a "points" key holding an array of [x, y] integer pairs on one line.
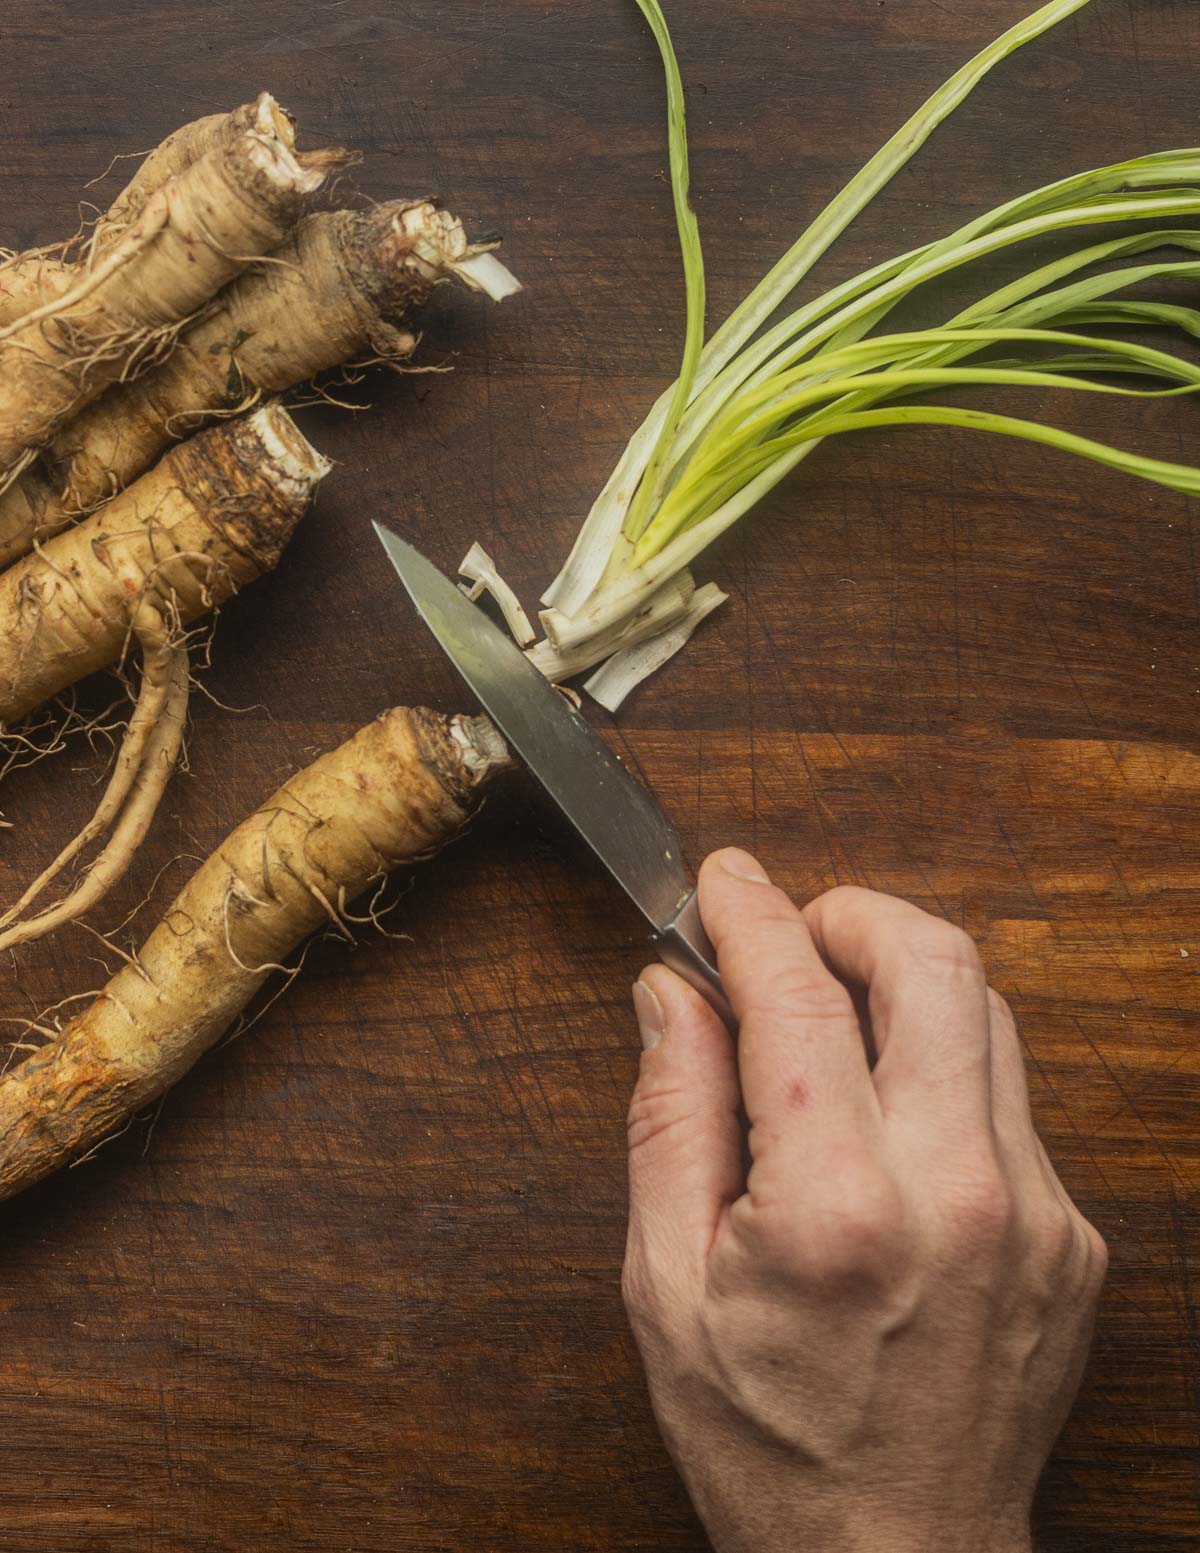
{"points": [[435, 247], [291, 463]]}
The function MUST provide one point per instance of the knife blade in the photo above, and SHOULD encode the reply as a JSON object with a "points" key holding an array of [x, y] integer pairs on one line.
{"points": [[621, 822]]}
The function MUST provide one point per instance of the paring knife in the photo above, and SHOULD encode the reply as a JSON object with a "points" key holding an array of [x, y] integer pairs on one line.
{"points": [[611, 810]]}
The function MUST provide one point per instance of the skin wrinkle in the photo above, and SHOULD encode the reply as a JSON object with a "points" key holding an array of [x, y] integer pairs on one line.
{"points": [[27, 280], [357, 812]]}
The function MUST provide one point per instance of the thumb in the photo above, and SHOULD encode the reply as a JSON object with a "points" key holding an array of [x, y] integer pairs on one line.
{"points": [[685, 1136]]}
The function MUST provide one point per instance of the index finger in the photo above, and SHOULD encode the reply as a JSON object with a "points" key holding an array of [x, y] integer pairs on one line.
{"points": [[800, 1046]]}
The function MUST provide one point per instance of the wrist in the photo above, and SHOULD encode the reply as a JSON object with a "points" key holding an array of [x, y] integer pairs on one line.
{"points": [[950, 1537], [948, 1541], [1020, 1541]]}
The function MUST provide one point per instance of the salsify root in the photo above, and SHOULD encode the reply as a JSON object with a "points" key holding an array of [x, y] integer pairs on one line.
{"points": [[397, 791], [335, 292], [213, 515], [29, 280], [123, 307], [187, 145]]}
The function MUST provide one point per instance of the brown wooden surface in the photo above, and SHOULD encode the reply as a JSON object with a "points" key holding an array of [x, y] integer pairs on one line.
{"points": [[357, 1288]]}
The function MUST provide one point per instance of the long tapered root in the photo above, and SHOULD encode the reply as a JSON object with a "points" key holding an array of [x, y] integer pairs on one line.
{"points": [[214, 514], [397, 791], [160, 753], [143, 765]]}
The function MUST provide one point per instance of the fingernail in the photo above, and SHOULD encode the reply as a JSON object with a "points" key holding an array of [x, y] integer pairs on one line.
{"points": [[649, 1015], [740, 865]]}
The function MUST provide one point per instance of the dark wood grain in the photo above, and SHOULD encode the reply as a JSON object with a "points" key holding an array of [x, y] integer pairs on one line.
{"points": [[356, 1287]]}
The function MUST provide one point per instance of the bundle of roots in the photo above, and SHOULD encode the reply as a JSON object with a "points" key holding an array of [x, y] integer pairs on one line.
{"points": [[147, 269], [206, 289], [339, 291]]}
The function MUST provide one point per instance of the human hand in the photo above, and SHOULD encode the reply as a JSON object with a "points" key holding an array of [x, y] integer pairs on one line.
{"points": [[864, 1331]]}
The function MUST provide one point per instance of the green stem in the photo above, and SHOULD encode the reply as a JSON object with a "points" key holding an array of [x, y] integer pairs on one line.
{"points": [[693, 269]]}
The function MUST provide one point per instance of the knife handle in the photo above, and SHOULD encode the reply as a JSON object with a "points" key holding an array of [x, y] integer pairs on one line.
{"points": [[685, 947]]}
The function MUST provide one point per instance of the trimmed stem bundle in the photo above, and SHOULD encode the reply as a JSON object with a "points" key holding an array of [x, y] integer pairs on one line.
{"points": [[754, 405], [398, 791]]}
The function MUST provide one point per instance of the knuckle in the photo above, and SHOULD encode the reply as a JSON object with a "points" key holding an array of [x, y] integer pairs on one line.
{"points": [[788, 991], [982, 1211], [1055, 1236], [769, 908], [1097, 1255], [660, 1296], [842, 897], [781, 1239], [775, 925], [863, 1255], [654, 1113], [862, 1252], [1067, 1240], [944, 947], [851, 1240], [1001, 1014]]}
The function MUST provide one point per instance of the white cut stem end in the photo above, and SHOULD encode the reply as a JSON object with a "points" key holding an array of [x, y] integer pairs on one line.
{"points": [[483, 747], [279, 163], [669, 604], [622, 674], [270, 119], [484, 272], [480, 570]]}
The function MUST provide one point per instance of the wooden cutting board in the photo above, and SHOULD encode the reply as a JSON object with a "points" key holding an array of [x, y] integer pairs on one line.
{"points": [[355, 1287]]}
